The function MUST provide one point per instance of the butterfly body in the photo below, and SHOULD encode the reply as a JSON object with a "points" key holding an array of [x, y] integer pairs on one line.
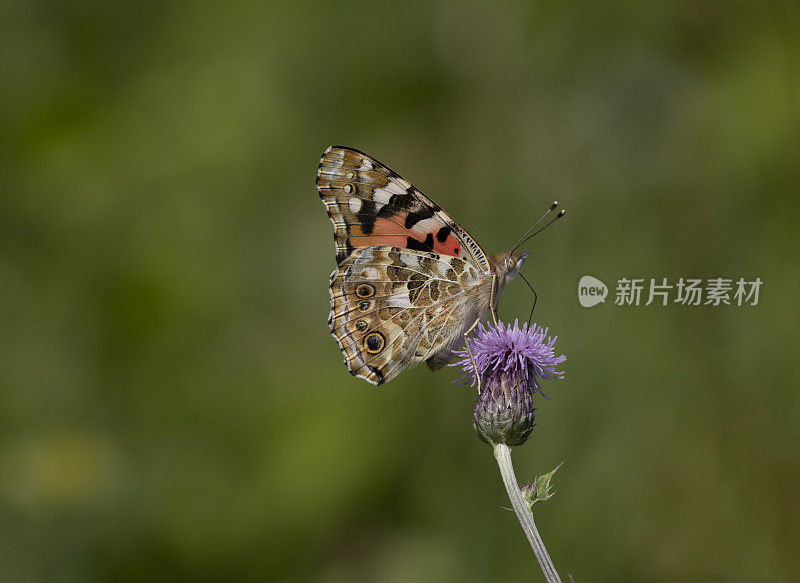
{"points": [[410, 281]]}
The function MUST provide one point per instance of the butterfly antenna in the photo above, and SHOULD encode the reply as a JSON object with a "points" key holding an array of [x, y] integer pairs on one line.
{"points": [[521, 239], [558, 216], [535, 297]]}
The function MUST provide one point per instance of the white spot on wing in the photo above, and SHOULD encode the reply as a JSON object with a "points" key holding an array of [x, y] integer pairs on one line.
{"points": [[411, 260], [380, 196], [394, 188], [399, 301], [366, 255], [426, 226], [355, 204], [365, 165]]}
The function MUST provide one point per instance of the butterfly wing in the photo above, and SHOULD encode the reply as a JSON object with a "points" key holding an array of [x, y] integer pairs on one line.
{"points": [[393, 308], [369, 204]]}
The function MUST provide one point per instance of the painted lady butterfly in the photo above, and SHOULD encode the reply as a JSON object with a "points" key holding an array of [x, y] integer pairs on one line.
{"points": [[410, 281]]}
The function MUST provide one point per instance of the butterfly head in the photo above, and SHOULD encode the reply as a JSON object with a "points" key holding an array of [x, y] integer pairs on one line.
{"points": [[509, 264]]}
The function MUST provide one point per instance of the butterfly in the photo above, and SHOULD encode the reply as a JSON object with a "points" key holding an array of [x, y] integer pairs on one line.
{"points": [[410, 282]]}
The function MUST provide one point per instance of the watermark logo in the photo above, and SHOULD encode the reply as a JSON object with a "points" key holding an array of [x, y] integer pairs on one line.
{"points": [[591, 291], [631, 291]]}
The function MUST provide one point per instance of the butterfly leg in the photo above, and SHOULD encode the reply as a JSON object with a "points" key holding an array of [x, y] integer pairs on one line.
{"points": [[491, 301], [469, 350]]}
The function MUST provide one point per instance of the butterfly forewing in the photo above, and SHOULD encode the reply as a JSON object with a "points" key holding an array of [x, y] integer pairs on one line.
{"points": [[369, 204]]}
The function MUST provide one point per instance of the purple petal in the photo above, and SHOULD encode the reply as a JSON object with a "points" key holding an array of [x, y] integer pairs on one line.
{"points": [[525, 354]]}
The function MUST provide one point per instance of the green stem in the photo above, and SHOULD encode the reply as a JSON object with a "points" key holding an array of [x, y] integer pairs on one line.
{"points": [[503, 455]]}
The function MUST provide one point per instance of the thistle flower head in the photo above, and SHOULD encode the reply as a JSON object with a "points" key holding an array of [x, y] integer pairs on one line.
{"points": [[510, 361], [523, 355]]}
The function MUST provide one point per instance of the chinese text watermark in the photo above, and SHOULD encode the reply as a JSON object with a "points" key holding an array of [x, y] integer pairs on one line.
{"points": [[714, 291]]}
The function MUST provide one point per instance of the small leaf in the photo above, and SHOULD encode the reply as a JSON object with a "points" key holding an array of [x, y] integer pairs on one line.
{"points": [[539, 490]]}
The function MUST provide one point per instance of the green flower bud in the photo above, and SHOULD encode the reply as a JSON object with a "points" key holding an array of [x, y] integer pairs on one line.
{"points": [[504, 412]]}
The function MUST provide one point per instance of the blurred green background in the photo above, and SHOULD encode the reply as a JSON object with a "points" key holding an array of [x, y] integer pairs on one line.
{"points": [[173, 407]]}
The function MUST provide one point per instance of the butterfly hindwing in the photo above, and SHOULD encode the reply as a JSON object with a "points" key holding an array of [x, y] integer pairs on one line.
{"points": [[392, 308], [369, 205]]}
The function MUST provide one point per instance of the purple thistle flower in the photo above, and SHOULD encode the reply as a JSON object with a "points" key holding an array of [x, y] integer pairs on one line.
{"points": [[523, 356], [510, 362]]}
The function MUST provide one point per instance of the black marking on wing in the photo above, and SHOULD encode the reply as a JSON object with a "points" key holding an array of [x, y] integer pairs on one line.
{"points": [[404, 201], [341, 256], [388, 212], [442, 234], [377, 373], [417, 245], [414, 217], [366, 216]]}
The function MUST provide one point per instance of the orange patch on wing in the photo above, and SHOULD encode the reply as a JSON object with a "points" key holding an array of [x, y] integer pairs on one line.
{"points": [[390, 227], [384, 233], [451, 246], [392, 233], [385, 240]]}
